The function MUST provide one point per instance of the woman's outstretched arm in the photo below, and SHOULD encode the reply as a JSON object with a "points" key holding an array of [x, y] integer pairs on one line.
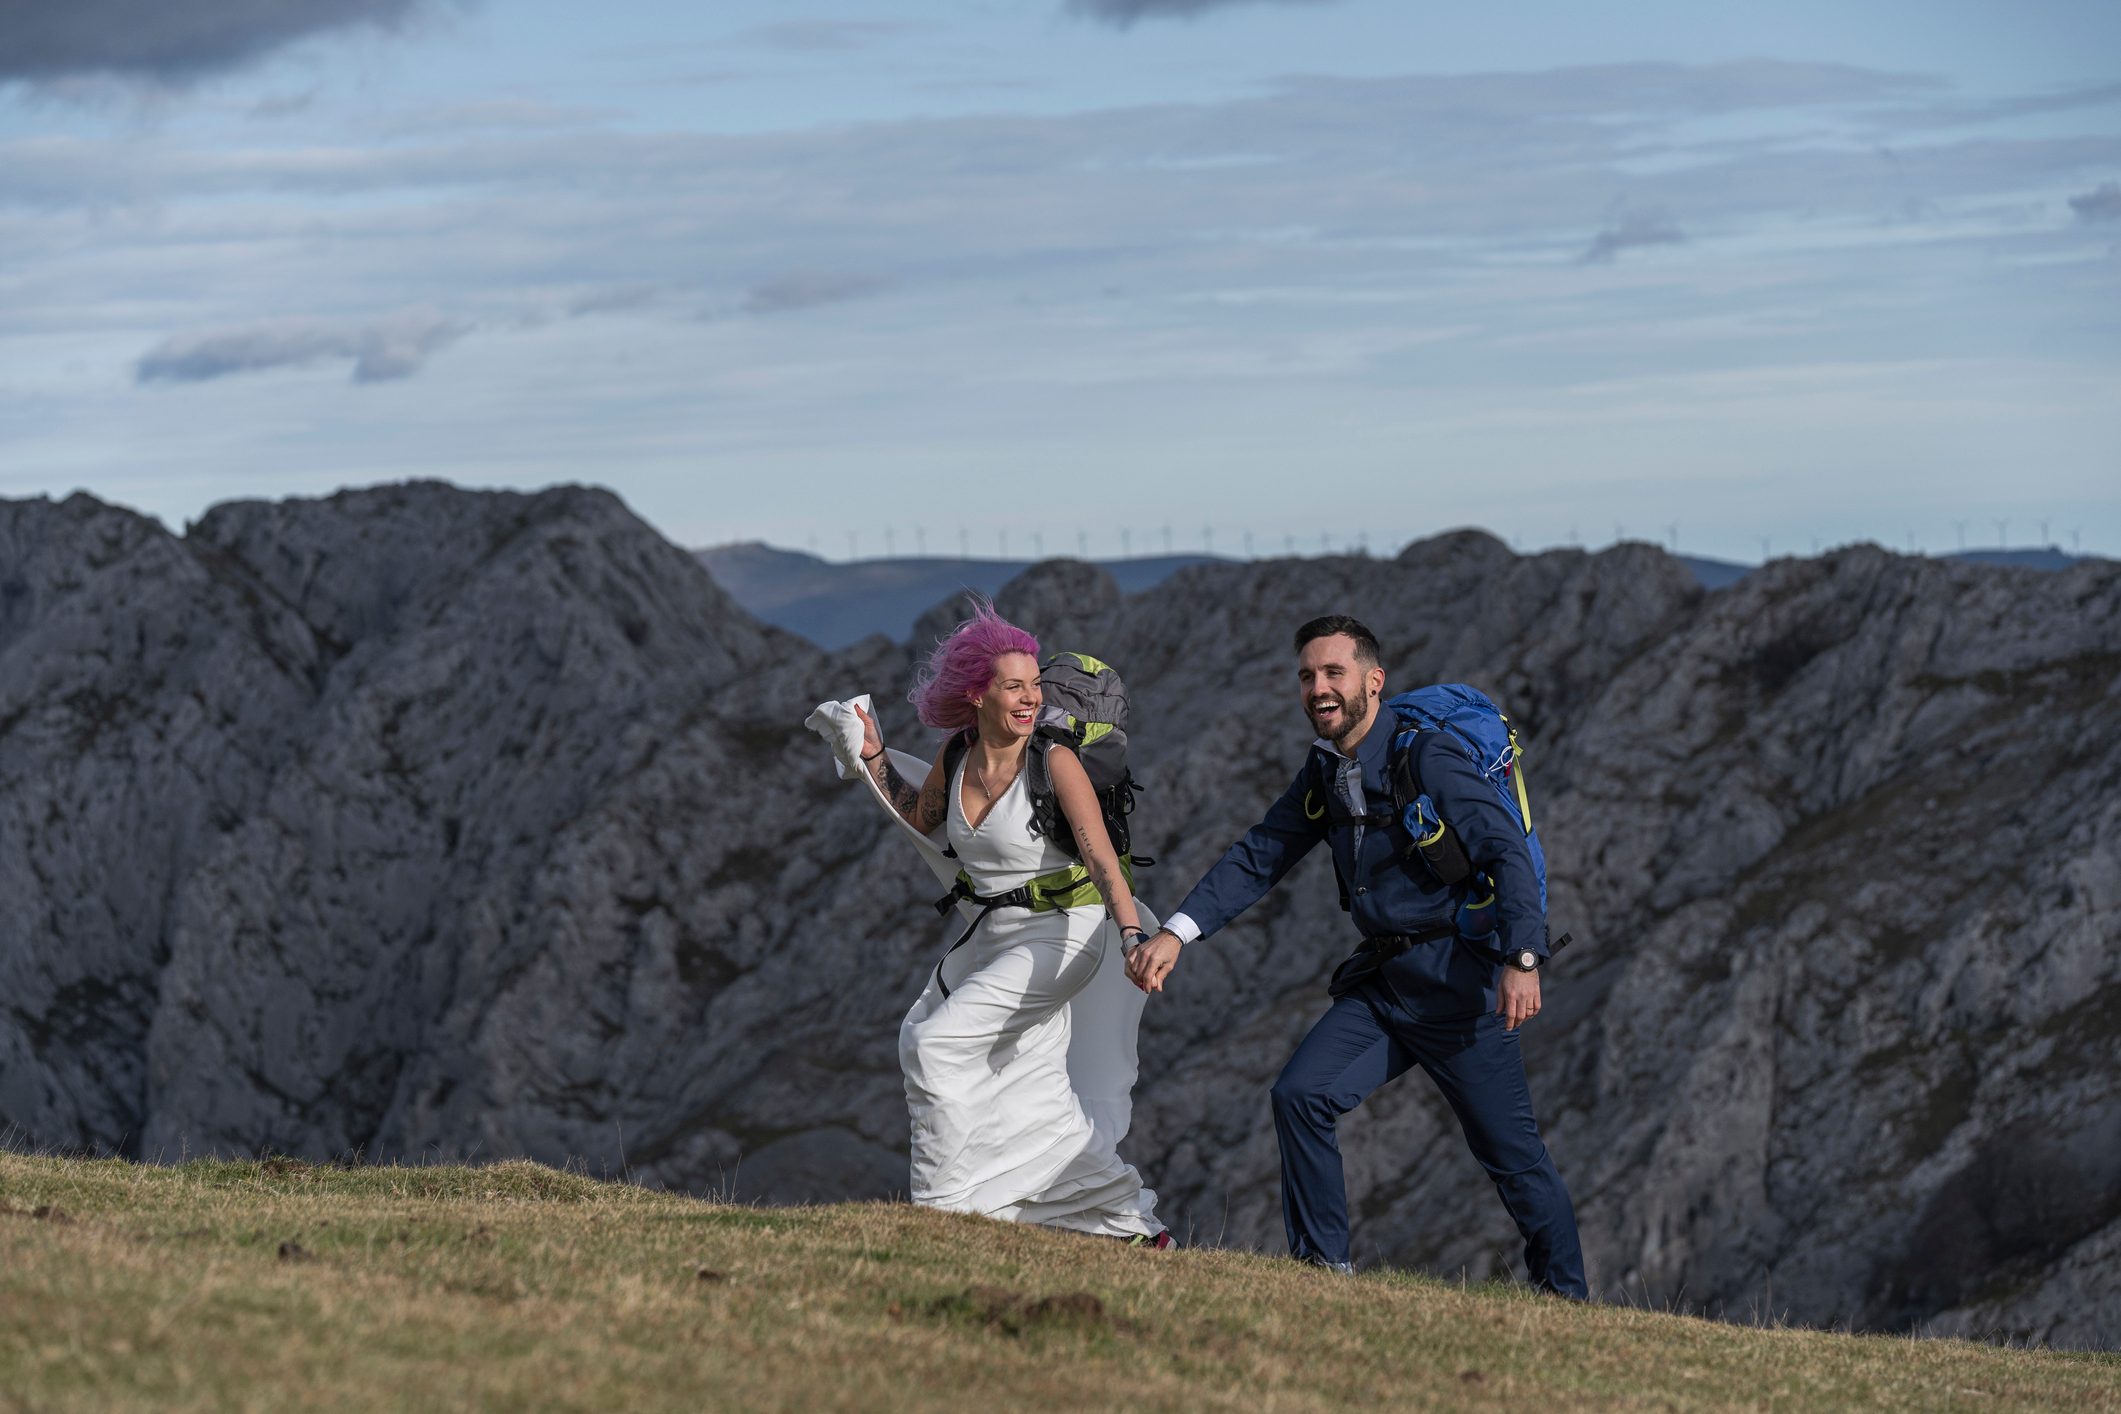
{"points": [[1078, 800], [924, 809]]}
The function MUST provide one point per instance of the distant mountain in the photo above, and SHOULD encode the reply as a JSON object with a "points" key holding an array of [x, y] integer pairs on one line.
{"points": [[1714, 574], [836, 604]]}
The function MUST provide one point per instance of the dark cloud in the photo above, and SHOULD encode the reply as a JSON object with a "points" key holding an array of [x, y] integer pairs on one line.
{"points": [[807, 290], [170, 40], [613, 300], [823, 36], [394, 348], [1636, 228], [2101, 203], [282, 106], [1126, 12]]}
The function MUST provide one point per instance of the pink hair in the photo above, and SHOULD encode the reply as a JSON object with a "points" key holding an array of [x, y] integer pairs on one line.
{"points": [[962, 666]]}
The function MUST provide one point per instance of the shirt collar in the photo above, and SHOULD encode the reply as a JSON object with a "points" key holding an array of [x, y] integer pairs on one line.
{"points": [[1373, 739]]}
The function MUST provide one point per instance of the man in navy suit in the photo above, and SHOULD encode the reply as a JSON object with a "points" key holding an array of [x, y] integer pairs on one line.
{"points": [[1415, 992]]}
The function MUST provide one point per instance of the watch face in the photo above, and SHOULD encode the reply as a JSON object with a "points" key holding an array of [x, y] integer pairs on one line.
{"points": [[1528, 960]]}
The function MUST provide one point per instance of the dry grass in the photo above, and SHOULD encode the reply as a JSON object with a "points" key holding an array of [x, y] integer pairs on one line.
{"points": [[247, 1285]]}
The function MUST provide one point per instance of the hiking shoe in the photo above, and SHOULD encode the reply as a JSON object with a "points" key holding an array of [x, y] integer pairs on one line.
{"points": [[1162, 1242], [1346, 1269]]}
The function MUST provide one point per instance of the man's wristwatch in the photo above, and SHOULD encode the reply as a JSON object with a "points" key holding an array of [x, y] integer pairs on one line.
{"points": [[1524, 960]]}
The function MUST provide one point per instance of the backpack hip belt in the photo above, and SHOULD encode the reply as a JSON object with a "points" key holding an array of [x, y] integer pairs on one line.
{"points": [[1048, 893]]}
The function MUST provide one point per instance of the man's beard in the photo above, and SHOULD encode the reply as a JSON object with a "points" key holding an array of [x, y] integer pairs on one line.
{"points": [[1354, 711]]}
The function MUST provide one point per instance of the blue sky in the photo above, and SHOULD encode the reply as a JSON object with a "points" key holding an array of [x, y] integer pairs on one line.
{"points": [[1303, 271]]}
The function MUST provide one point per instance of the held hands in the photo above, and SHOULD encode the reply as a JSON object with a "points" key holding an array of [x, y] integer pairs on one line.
{"points": [[1517, 999], [1150, 962]]}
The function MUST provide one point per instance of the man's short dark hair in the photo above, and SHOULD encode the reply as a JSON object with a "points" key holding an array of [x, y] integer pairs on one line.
{"points": [[1365, 641]]}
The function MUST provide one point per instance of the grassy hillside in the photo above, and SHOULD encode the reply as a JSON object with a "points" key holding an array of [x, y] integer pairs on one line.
{"points": [[213, 1285]]}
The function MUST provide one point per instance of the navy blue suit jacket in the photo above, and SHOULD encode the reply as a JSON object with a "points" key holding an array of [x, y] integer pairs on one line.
{"points": [[1386, 893]]}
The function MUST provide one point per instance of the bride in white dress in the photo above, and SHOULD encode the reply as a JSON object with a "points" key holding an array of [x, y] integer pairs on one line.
{"points": [[1000, 1126]]}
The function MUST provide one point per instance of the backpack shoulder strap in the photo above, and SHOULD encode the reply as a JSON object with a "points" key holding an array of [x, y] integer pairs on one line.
{"points": [[1318, 787], [954, 751], [1038, 775], [1414, 739], [1407, 730], [1319, 809], [1046, 815]]}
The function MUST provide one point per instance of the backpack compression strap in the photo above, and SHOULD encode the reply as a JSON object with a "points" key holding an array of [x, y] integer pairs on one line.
{"points": [[1524, 801]]}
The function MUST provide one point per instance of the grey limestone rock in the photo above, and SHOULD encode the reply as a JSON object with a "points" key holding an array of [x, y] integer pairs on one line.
{"points": [[419, 822]]}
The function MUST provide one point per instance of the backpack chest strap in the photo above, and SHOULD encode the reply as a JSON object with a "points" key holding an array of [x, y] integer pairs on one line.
{"points": [[1322, 801]]}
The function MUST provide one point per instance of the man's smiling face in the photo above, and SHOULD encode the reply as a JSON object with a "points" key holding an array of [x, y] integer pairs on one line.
{"points": [[1338, 688]]}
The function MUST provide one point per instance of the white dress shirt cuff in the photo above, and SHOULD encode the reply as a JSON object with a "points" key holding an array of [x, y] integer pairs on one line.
{"points": [[1184, 928]]}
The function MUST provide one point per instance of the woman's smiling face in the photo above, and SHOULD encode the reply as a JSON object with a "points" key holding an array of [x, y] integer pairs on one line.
{"points": [[1009, 711]]}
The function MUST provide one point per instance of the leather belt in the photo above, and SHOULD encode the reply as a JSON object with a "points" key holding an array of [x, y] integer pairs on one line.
{"points": [[1377, 949], [1388, 945]]}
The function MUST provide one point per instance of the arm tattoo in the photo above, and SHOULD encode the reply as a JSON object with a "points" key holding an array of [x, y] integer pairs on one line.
{"points": [[935, 808], [1108, 880], [1086, 850], [904, 798], [1107, 877], [924, 809]]}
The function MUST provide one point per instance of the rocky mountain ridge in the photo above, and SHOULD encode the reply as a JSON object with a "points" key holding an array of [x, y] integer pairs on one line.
{"points": [[424, 822]]}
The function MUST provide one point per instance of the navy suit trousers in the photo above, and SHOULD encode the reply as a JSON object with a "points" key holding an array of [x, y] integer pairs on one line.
{"points": [[1368, 1038]]}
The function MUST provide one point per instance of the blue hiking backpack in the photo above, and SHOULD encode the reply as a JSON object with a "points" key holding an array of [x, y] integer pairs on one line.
{"points": [[1483, 729]]}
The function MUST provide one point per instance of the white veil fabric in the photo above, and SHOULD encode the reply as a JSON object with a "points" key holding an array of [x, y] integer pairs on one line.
{"points": [[1104, 1018]]}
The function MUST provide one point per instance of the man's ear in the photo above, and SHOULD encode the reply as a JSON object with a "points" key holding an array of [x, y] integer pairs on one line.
{"points": [[1377, 682]]}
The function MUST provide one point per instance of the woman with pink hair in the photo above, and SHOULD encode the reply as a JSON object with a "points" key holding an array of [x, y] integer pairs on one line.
{"points": [[1019, 1053]]}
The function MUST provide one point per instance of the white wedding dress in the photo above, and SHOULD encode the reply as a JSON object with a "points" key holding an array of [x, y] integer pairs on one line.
{"points": [[1020, 1064]]}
